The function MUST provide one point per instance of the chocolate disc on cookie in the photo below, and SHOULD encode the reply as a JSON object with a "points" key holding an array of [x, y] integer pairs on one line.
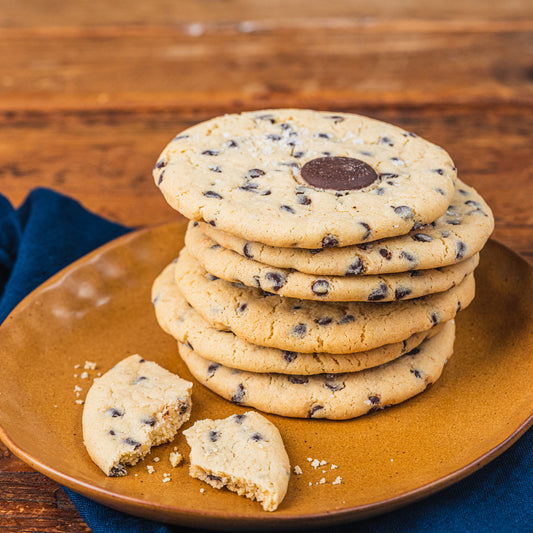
{"points": [[305, 179], [339, 173]]}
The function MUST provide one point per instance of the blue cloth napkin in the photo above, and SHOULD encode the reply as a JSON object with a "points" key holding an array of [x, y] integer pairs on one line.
{"points": [[49, 231]]}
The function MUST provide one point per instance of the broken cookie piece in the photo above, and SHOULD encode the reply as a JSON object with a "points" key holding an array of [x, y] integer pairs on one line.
{"points": [[134, 406], [244, 453]]}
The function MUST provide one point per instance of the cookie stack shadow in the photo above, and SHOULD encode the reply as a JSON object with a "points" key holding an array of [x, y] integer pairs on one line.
{"points": [[331, 332]]}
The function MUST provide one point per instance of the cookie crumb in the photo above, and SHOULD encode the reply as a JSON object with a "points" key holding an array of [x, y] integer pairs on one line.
{"points": [[89, 365], [322, 463], [79, 402], [202, 490], [84, 375], [156, 459], [322, 481], [298, 470], [315, 463], [175, 458], [150, 469], [166, 479], [337, 481], [77, 389], [77, 366], [333, 467]]}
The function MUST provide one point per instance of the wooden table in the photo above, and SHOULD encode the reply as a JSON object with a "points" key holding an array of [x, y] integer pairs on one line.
{"points": [[90, 92]]}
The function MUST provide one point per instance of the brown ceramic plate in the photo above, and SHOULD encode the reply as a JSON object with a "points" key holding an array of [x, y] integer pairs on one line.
{"points": [[99, 309]]}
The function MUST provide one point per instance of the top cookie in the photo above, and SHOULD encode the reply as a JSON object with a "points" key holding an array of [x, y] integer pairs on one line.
{"points": [[305, 179]]}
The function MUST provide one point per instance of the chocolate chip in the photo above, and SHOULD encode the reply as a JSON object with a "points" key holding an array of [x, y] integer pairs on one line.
{"points": [[460, 250], [414, 351], [387, 254], [324, 321], [320, 287], [374, 399], [463, 192], [422, 237], [210, 152], [329, 241], [356, 268], [288, 209], [131, 442], [434, 319], [416, 373], [142, 360], [115, 412], [184, 406], [336, 118], [438, 171], [232, 144], [298, 155], [211, 369], [315, 251], [458, 306], [211, 277], [334, 385], [246, 251], [277, 279], [273, 137], [304, 200], [242, 308], [139, 379], [386, 140], [404, 211], [195, 224], [367, 230], [409, 134], [378, 294], [160, 179], [249, 187], [268, 117], [379, 191], [239, 394], [314, 410], [324, 135], [299, 330], [215, 247], [215, 168], [265, 193], [298, 380], [111, 432], [256, 437], [180, 137], [212, 477], [212, 194], [149, 421], [388, 176], [440, 191], [339, 173], [401, 292], [238, 419], [409, 257], [160, 164], [453, 222], [255, 173], [296, 307], [118, 471], [346, 319], [214, 435], [289, 356]]}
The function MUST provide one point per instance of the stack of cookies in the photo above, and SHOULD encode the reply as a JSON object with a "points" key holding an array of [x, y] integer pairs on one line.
{"points": [[326, 258]]}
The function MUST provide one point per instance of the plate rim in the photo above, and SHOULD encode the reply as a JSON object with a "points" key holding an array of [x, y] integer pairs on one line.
{"points": [[204, 517]]}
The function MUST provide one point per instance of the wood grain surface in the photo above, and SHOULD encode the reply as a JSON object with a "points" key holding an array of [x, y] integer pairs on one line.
{"points": [[91, 91]]}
